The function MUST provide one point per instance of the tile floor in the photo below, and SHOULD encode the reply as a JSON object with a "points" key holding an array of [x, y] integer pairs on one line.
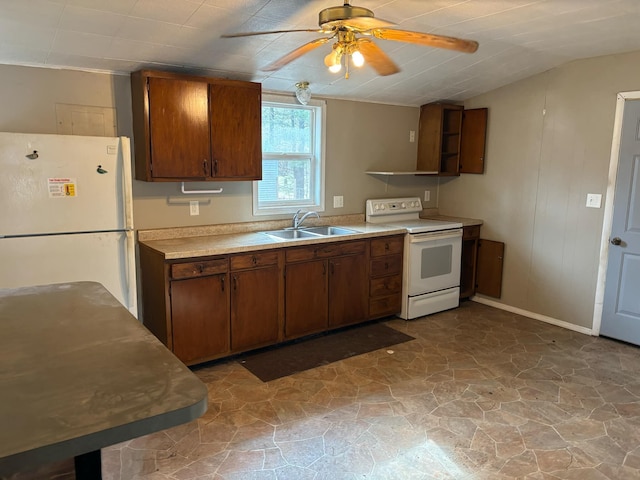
{"points": [[479, 394]]}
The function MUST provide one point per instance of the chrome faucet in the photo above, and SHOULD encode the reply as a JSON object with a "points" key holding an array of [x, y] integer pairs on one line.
{"points": [[297, 222]]}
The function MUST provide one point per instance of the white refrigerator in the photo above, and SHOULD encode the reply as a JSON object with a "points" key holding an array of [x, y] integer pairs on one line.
{"points": [[67, 212]]}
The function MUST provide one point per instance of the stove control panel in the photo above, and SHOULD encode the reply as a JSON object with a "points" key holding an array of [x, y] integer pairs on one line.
{"points": [[394, 206]]}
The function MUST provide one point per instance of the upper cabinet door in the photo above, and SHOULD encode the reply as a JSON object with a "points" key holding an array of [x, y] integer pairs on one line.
{"points": [[472, 144], [236, 130], [179, 128], [188, 127]]}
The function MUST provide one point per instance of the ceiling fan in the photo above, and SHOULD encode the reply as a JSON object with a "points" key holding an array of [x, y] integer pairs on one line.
{"points": [[352, 26]]}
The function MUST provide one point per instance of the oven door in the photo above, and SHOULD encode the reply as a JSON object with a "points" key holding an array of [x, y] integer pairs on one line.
{"points": [[433, 262]]}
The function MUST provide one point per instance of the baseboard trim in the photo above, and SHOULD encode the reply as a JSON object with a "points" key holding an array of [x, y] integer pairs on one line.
{"points": [[535, 316]]}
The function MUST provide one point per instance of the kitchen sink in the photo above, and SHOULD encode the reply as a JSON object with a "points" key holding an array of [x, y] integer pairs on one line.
{"points": [[310, 232], [290, 234], [329, 230]]}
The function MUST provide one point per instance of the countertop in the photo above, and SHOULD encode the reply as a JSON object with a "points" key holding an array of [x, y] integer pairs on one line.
{"points": [[206, 245], [79, 373]]}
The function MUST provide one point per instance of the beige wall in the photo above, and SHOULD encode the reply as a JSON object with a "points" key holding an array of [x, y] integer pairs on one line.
{"points": [[360, 136], [548, 145]]}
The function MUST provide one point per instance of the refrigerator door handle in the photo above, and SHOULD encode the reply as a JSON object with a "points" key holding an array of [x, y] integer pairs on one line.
{"points": [[125, 148]]}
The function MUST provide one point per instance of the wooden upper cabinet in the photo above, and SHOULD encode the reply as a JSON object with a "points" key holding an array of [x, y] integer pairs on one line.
{"points": [[178, 128], [439, 138], [195, 128], [236, 130], [451, 140], [473, 139]]}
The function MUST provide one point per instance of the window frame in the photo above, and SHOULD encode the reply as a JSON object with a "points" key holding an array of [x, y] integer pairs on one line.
{"points": [[318, 108]]}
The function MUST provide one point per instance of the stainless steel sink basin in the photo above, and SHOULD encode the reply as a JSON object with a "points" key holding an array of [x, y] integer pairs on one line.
{"points": [[310, 232], [290, 234], [327, 230]]}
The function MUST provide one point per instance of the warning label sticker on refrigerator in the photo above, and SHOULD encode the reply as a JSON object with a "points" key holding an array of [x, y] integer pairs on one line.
{"points": [[62, 187]]}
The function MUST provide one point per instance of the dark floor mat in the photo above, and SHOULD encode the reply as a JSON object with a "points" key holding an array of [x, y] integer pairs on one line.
{"points": [[281, 361]]}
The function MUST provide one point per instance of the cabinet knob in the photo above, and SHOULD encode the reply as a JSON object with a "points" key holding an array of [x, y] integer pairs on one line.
{"points": [[254, 260], [204, 166]]}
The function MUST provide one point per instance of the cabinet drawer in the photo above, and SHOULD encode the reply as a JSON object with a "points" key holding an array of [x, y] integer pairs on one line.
{"points": [[324, 250], [472, 231], [255, 259], [382, 306], [385, 285], [199, 269], [386, 265], [387, 246]]}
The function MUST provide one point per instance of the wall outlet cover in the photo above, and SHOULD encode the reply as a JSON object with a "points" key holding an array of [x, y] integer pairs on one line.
{"points": [[594, 200], [338, 201], [194, 207]]}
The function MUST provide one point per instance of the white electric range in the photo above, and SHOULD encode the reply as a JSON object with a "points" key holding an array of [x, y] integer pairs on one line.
{"points": [[432, 255]]}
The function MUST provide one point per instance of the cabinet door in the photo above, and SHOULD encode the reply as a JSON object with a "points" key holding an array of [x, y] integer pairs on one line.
{"points": [[254, 307], [489, 268], [178, 128], [306, 298], [200, 318], [474, 132], [236, 126], [348, 290]]}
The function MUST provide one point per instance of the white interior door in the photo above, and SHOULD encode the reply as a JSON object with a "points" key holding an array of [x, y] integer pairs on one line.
{"points": [[621, 306]]}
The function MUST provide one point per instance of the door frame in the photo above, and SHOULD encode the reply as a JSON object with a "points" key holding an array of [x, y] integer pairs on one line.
{"points": [[622, 98]]}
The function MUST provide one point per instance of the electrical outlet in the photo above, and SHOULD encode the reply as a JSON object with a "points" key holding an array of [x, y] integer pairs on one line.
{"points": [[594, 200], [427, 195], [194, 207], [338, 201], [412, 136]]}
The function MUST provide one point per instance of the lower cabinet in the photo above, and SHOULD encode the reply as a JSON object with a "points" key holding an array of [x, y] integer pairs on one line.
{"points": [[385, 284], [481, 266], [348, 290], [255, 300], [470, 238], [306, 304], [200, 317], [325, 287], [207, 308]]}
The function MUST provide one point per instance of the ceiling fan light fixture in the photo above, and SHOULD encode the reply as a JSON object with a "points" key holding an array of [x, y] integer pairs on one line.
{"points": [[303, 94], [357, 59]]}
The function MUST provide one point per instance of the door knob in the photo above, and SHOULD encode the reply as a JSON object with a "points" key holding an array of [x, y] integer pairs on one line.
{"points": [[616, 241]]}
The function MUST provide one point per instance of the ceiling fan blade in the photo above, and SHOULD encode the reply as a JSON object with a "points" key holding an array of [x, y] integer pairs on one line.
{"points": [[298, 52], [359, 24], [439, 41], [252, 34], [375, 57]]}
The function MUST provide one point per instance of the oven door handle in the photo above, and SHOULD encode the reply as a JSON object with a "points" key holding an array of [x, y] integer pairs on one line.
{"points": [[427, 237]]}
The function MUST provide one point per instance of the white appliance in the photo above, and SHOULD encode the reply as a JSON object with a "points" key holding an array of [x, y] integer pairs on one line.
{"points": [[67, 212], [432, 256]]}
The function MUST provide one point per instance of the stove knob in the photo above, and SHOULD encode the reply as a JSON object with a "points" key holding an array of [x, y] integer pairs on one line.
{"points": [[382, 206], [403, 205]]}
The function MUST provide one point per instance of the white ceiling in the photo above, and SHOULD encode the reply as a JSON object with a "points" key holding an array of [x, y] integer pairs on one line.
{"points": [[518, 38]]}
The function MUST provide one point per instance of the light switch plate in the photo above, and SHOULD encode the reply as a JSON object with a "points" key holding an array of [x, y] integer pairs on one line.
{"points": [[194, 207], [594, 200]]}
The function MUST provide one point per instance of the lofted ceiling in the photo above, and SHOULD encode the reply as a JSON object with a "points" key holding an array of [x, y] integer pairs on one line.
{"points": [[518, 38]]}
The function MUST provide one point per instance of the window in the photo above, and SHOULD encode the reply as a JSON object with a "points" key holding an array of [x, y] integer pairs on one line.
{"points": [[292, 157]]}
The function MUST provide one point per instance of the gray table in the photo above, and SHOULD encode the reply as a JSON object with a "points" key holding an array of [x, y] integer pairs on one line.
{"points": [[78, 373]]}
